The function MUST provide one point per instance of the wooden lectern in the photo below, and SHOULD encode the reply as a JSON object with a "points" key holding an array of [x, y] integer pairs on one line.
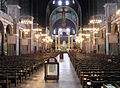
{"points": [[51, 69]]}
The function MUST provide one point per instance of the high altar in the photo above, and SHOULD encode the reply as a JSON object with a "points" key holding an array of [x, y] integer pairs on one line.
{"points": [[64, 47]]}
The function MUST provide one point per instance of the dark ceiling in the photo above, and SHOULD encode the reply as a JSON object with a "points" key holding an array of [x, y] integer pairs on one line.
{"points": [[37, 8]]}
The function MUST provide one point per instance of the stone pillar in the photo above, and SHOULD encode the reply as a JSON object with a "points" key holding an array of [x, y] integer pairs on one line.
{"points": [[37, 45], [0, 4], [40, 42], [89, 44], [119, 39], [28, 21], [69, 42], [107, 10], [31, 36], [24, 46], [14, 11], [56, 45], [59, 42], [11, 41]]}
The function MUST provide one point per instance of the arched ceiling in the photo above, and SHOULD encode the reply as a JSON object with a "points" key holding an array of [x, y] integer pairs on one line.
{"points": [[69, 14], [69, 24]]}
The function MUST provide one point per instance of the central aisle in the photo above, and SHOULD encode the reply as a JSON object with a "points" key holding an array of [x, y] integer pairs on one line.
{"points": [[68, 77]]}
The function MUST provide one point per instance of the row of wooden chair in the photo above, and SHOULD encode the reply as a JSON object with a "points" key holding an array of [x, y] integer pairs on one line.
{"points": [[14, 69], [94, 71]]}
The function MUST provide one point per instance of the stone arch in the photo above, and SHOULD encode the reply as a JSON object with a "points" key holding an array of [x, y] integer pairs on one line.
{"points": [[69, 24], [114, 28], [114, 36], [62, 31], [77, 18], [1, 27], [1, 38], [48, 12], [8, 32], [102, 34], [9, 29], [23, 34], [67, 19]]}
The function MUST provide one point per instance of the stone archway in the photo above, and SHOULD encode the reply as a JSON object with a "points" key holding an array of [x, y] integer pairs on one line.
{"points": [[114, 40], [114, 28], [1, 38], [7, 45], [59, 38]]}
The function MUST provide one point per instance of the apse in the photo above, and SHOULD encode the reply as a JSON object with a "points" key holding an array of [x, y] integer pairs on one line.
{"points": [[70, 26]]}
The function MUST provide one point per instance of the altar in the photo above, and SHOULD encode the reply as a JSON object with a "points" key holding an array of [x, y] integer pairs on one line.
{"points": [[63, 49]]}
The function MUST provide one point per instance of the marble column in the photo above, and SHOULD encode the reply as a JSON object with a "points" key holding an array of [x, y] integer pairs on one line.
{"points": [[107, 11], [58, 41], [16, 16], [37, 46], [56, 45], [69, 42]]}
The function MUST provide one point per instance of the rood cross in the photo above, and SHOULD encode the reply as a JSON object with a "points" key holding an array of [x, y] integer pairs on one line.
{"points": [[63, 12]]}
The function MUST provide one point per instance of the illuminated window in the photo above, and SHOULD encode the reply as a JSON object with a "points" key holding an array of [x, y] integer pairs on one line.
{"points": [[67, 2], [59, 2]]}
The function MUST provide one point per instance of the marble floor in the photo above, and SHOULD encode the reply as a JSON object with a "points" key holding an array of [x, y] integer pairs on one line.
{"points": [[68, 77]]}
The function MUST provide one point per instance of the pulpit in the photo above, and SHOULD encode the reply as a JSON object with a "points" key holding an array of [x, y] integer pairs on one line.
{"points": [[51, 69]]}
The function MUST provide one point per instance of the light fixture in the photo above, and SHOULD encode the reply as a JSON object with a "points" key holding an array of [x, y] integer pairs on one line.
{"points": [[96, 32], [118, 12], [53, 1], [91, 29], [37, 36], [37, 29], [26, 22], [84, 78], [67, 2], [44, 40], [97, 21], [26, 30], [79, 39], [59, 2], [88, 83], [87, 35]]}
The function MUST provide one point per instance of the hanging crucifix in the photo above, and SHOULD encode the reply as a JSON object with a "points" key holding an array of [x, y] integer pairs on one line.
{"points": [[63, 12]]}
